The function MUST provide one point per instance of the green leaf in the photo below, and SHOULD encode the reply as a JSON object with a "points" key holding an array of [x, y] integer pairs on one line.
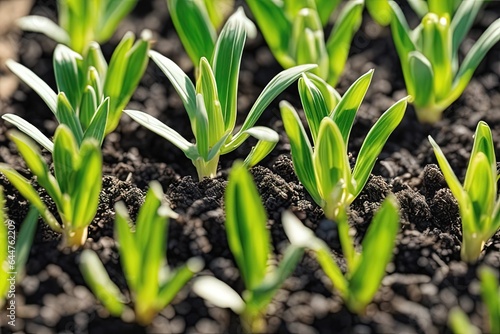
{"points": [[25, 240], [476, 54], [315, 107], [207, 87], [114, 13], [117, 72], [87, 184], [307, 45], [345, 112], [161, 129], [275, 27], [419, 6], [102, 286], [375, 141], [65, 158], [483, 142], [194, 28], [30, 130], [129, 248], [339, 42], [330, 95], [378, 245], [481, 192], [422, 76], [246, 230], [218, 293], [226, 62], [67, 116], [302, 152], [450, 177], [460, 323], [436, 40], [45, 26], [330, 161], [95, 59], [177, 281], [37, 84], [462, 22], [490, 293], [38, 166], [380, 11], [401, 34], [201, 128], [97, 126], [302, 236], [28, 192], [267, 140], [88, 106], [275, 87], [179, 80], [68, 78], [325, 9], [264, 293], [137, 61]]}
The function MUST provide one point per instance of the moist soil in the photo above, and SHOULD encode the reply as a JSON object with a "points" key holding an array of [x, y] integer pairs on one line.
{"points": [[424, 281]]}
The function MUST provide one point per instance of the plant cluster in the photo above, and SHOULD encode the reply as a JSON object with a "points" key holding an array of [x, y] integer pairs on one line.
{"points": [[294, 33], [92, 93], [152, 283]]}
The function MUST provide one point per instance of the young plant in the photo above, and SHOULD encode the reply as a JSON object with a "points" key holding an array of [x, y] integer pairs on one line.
{"points": [[74, 187], [142, 249], [490, 293], [365, 269], [211, 104], [323, 168], [15, 249], [249, 242], [81, 21], [91, 94], [197, 22], [294, 33], [477, 198], [429, 56]]}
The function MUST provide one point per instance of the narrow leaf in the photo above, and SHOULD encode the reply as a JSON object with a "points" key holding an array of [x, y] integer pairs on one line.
{"points": [[246, 230], [375, 141], [37, 84], [194, 28], [378, 245], [267, 140], [30, 130], [99, 282], [302, 152], [345, 112], [218, 293]]}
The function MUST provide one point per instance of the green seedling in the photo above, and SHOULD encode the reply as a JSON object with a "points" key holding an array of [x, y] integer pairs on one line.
{"points": [[74, 187], [91, 94], [197, 23], [490, 293], [211, 103], [477, 198], [81, 21], [365, 269], [15, 249], [152, 284], [294, 33], [249, 242], [324, 168], [430, 60]]}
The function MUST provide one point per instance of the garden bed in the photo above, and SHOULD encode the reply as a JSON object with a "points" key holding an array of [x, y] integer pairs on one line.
{"points": [[426, 278]]}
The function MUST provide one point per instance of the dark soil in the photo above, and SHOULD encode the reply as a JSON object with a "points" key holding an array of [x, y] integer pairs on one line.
{"points": [[426, 278]]}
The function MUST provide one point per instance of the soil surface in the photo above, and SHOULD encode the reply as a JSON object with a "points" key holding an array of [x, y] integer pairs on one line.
{"points": [[424, 281]]}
